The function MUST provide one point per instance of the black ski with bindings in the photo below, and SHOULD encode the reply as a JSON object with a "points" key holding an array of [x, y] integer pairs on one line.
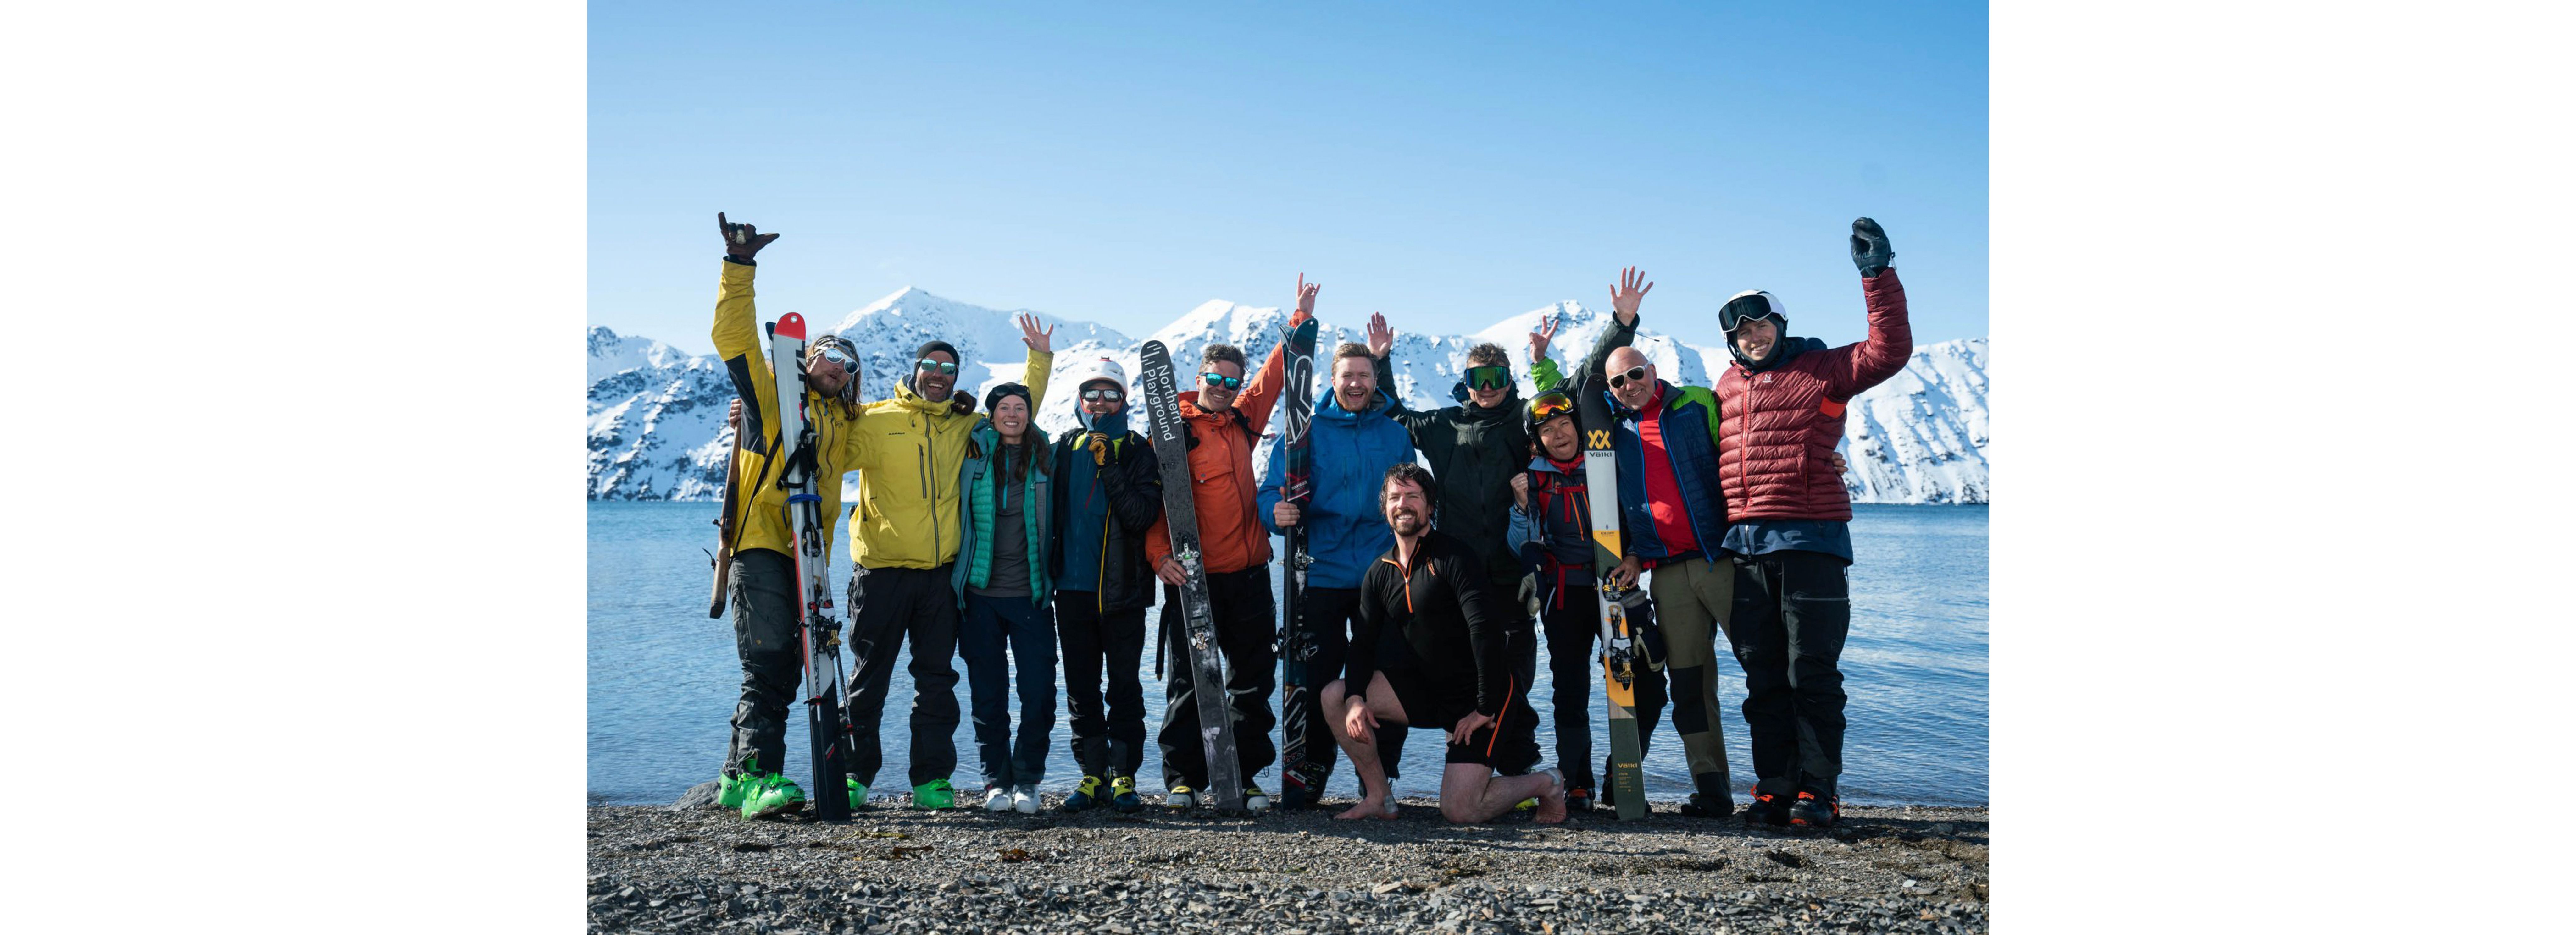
{"points": [[824, 681], [1300, 776], [1619, 656], [1171, 439]]}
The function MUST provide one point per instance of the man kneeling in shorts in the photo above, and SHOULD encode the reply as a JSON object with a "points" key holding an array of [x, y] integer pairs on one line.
{"points": [[1433, 591]]}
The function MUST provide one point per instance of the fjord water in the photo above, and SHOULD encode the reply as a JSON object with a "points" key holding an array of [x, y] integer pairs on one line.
{"points": [[663, 677]]}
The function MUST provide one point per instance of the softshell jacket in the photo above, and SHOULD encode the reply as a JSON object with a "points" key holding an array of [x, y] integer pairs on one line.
{"points": [[982, 502], [761, 520], [1347, 457], [908, 451], [1783, 419], [1445, 609], [1473, 452], [1222, 484], [1554, 537], [1687, 416], [1131, 485]]}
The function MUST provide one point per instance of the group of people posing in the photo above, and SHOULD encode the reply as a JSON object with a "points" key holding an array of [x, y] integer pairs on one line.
{"points": [[1442, 543]]}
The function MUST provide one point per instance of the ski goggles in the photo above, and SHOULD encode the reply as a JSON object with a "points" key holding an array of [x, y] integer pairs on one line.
{"points": [[1488, 378], [1549, 405], [929, 365], [848, 363], [1748, 308], [1103, 394], [1634, 374], [1213, 378]]}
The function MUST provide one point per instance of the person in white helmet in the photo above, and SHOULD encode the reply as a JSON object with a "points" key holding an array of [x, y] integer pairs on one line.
{"points": [[1109, 491]]}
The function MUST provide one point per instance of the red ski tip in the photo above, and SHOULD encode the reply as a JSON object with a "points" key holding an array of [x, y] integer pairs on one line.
{"points": [[791, 325]]}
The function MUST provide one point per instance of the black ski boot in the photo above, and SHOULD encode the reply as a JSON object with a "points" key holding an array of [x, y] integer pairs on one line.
{"points": [[1813, 812], [1767, 809], [1709, 806]]}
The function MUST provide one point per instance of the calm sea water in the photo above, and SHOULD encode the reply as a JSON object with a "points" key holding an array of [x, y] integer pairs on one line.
{"points": [[663, 676]]}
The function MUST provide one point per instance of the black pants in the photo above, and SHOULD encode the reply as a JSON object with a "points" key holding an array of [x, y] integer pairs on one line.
{"points": [[1517, 752], [761, 587], [1332, 612], [1106, 744], [1246, 618], [1573, 635], [1792, 612], [886, 605]]}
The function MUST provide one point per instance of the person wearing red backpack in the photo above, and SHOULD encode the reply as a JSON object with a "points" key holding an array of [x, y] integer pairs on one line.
{"points": [[1780, 418]]}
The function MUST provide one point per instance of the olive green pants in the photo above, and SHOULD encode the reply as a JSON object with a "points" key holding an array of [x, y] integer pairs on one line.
{"points": [[1692, 597]]}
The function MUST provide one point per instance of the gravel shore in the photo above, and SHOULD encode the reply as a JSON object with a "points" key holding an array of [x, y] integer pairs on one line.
{"points": [[893, 869]]}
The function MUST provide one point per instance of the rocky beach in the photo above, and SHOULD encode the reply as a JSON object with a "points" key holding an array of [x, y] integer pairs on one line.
{"points": [[693, 867]]}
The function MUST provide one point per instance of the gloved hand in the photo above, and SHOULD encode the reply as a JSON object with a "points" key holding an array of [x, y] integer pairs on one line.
{"points": [[1529, 593], [1869, 248], [1099, 445]]}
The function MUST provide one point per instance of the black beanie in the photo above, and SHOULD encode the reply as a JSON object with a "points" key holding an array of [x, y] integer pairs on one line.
{"points": [[995, 395]]}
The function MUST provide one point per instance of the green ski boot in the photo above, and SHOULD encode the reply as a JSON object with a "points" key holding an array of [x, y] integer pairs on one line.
{"points": [[770, 794], [936, 793], [729, 788], [858, 794]]}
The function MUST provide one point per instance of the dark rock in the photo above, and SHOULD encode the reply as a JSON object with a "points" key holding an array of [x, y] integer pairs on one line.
{"points": [[702, 795]]}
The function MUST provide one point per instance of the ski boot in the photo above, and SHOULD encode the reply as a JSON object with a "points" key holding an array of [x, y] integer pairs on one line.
{"points": [[1123, 797], [1255, 800], [729, 789], [858, 793], [1709, 806], [1767, 809], [936, 793], [770, 794], [1811, 811], [1179, 797], [1085, 795]]}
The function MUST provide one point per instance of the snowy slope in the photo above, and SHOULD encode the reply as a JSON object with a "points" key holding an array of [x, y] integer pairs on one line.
{"points": [[656, 416]]}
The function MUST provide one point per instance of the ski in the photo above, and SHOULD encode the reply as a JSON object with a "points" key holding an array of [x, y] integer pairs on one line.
{"points": [[821, 637], [1301, 778], [1619, 662], [1172, 448]]}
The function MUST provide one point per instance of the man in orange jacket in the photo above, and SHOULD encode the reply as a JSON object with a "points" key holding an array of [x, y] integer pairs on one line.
{"points": [[1225, 420]]}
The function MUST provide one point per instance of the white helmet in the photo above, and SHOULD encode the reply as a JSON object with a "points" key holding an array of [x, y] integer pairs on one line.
{"points": [[1105, 368]]}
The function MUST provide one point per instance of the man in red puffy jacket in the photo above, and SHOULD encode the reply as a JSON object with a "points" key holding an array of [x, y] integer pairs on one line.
{"points": [[1781, 416]]}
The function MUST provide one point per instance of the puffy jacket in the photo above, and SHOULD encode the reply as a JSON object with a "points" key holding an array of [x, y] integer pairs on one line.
{"points": [[1783, 419], [1347, 455], [1687, 418], [1131, 486], [1222, 484], [981, 500], [1473, 452], [908, 451], [761, 522]]}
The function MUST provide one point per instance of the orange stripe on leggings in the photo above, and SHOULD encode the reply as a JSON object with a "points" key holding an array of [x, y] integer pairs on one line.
{"points": [[1511, 685]]}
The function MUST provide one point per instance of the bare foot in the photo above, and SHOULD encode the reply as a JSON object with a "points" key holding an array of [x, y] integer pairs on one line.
{"points": [[1551, 803], [1369, 808]]}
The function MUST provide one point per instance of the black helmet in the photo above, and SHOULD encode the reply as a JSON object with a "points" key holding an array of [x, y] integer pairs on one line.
{"points": [[1545, 406]]}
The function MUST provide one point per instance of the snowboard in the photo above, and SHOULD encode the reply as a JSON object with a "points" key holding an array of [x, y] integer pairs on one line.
{"points": [[821, 638], [1171, 438], [1301, 777], [1619, 658]]}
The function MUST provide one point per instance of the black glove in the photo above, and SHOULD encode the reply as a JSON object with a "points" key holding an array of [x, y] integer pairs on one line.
{"points": [[1869, 247]]}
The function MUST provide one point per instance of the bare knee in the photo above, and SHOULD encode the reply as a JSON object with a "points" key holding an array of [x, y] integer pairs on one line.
{"points": [[1458, 813], [1333, 695]]}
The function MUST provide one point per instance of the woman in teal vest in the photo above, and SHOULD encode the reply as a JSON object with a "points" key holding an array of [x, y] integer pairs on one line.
{"points": [[1002, 587]]}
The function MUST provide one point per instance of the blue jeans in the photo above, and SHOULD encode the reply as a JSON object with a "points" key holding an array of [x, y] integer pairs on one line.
{"points": [[989, 623]]}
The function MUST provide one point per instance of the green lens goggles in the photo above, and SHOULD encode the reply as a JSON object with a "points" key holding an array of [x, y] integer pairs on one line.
{"points": [[1489, 378]]}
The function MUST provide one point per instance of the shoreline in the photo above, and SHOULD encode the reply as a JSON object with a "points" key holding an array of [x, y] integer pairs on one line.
{"points": [[893, 869]]}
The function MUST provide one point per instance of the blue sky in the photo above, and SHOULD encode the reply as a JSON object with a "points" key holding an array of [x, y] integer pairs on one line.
{"points": [[1445, 166]]}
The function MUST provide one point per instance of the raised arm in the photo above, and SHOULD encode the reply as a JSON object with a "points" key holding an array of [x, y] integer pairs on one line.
{"points": [[1890, 342], [1041, 361], [737, 332], [1622, 331], [1262, 394], [1381, 345]]}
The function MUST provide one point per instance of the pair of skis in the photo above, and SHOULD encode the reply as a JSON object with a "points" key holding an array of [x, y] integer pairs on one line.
{"points": [[1301, 776], [825, 684]]}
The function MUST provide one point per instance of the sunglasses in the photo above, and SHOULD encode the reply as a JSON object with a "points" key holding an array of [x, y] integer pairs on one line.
{"points": [[1110, 395], [1549, 405], [1489, 378], [1213, 378], [1633, 375], [848, 363], [941, 367]]}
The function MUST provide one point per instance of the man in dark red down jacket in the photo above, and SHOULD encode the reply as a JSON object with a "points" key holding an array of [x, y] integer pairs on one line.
{"points": [[1781, 416]]}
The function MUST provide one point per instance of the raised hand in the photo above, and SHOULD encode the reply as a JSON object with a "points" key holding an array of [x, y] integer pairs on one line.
{"points": [[1539, 339], [1869, 248], [1305, 300], [1040, 341], [1381, 338], [741, 240], [1625, 296]]}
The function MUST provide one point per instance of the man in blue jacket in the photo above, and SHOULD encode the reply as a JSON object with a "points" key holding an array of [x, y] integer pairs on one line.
{"points": [[1351, 443]]}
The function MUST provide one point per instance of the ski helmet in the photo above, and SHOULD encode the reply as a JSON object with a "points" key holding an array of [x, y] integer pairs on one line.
{"points": [[1752, 305], [1545, 406]]}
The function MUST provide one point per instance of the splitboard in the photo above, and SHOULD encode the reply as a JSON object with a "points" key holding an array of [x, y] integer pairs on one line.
{"points": [[1301, 777], [1619, 660], [1180, 513], [824, 685]]}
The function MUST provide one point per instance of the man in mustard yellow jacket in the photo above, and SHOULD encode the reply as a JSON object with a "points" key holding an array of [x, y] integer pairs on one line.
{"points": [[761, 583], [903, 533]]}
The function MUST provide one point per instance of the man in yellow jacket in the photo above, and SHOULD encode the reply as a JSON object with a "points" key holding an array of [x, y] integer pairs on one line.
{"points": [[761, 583], [903, 533]]}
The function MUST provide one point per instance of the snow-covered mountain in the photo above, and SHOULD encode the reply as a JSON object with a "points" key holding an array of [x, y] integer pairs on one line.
{"points": [[657, 416]]}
